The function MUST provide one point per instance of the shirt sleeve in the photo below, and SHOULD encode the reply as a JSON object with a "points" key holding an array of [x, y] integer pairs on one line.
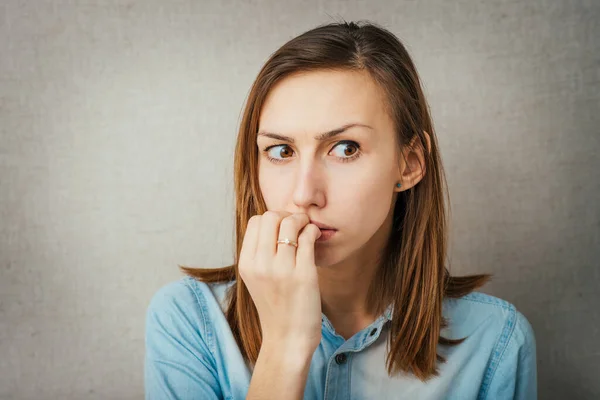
{"points": [[515, 377], [178, 362]]}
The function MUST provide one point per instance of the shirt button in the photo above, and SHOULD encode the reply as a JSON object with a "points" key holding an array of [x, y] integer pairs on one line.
{"points": [[374, 331], [340, 358]]}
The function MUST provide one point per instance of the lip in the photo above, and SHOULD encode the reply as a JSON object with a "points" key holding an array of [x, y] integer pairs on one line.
{"points": [[326, 234], [323, 226]]}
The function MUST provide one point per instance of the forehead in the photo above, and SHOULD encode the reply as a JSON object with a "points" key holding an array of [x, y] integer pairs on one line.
{"points": [[320, 100]]}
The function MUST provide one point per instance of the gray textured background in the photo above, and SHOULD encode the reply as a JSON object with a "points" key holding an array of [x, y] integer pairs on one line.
{"points": [[117, 127]]}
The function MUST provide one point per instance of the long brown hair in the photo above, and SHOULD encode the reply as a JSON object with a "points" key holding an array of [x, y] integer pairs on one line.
{"points": [[412, 270]]}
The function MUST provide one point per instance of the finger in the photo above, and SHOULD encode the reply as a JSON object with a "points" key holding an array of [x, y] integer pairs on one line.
{"points": [[269, 232], [250, 239], [290, 228], [305, 254]]}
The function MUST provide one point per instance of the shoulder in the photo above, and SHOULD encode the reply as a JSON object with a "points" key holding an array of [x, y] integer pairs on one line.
{"points": [[182, 353], [182, 293], [497, 330], [188, 301], [190, 292], [468, 313]]}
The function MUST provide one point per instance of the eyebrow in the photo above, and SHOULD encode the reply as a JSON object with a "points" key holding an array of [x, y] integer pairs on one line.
{"points": [[319, 137]]}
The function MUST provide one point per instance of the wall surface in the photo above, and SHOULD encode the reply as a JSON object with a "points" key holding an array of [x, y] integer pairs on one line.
{"points": [[117, 129]]}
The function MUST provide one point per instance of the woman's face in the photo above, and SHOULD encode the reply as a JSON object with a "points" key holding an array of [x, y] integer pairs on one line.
{"points": [[346, 181]]}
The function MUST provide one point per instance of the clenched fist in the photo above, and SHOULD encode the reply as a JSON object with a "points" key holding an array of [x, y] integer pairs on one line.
{"points": [[282, 279]]}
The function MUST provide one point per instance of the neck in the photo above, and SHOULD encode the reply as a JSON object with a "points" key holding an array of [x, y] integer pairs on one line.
{"points": [[345, 286]]}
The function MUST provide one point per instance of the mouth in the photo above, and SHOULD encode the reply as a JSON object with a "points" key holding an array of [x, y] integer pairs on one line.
{"points": [[322, 226], [326, 234]]}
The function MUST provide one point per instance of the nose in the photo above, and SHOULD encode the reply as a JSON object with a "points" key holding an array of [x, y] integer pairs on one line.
{"points": [[309, 186]]}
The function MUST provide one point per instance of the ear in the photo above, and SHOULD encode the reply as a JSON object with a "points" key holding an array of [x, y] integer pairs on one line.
{"points": [[412, 164]]}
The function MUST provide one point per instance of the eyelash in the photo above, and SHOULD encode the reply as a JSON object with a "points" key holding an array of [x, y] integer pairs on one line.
{"points": [[342, 159]]}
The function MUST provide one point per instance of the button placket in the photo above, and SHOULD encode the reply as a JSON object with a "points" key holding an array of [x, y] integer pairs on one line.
{"points": [[340, 374]]}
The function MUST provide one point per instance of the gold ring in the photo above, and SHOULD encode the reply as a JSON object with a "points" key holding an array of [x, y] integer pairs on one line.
{"points": [[287, 241]]}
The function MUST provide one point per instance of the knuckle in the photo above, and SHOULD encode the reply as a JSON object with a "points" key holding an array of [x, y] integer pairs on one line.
{"points": [[289, 222], [252, 224], [297, 220], [271, 216], [313, 228], [308, 231], [268, 214], [316, 230], [301, 218]]}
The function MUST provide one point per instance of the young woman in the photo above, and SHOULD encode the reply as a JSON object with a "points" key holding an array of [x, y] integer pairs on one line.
{"points": [[339, 288]]}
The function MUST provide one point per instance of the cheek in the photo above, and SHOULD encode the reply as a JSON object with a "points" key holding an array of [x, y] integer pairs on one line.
{"points": [[271, 187], [366, 205]]}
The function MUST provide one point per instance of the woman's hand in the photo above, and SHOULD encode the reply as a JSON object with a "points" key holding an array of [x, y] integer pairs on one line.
{"points": [[282, 279]]}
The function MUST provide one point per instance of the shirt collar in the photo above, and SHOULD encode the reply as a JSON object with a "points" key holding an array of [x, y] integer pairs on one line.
{"points": [[389, 312]]}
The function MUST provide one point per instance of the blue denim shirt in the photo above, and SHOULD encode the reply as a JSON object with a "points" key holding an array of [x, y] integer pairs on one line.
{"points": [[191, 353]]}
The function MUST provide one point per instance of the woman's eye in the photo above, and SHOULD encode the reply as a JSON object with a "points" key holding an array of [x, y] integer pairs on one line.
{"points": [[344, 151], [281, 150]]}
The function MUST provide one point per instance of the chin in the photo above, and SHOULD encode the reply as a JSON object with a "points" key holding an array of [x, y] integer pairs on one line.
{"points": [[325, 257]]}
